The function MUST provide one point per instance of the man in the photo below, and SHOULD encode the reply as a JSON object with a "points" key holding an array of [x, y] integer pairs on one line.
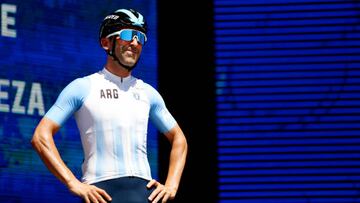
{"points": [[112, 109]]}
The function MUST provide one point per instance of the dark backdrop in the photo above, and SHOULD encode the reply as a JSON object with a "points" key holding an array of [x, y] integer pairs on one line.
{"points": [[186, 81]]}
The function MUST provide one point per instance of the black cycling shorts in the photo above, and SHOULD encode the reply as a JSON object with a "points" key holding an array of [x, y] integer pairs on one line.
{"points": [[126, 189]]}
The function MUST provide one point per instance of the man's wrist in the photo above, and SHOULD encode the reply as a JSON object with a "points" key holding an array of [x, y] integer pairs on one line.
{"points": [[72, 182]]}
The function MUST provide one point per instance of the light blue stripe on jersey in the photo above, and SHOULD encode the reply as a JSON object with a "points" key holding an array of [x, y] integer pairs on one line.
{"points": [[70, 100], [100, 147], [118, 150], [135, 155], [159, 114]]}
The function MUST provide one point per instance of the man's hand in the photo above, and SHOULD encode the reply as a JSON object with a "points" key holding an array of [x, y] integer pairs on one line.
{"points": [[161, 192], [90, 193]]}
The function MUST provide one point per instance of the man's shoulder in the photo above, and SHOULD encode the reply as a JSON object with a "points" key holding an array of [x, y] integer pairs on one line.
{"points": [[87, 78], [95, 74], [142, 84]]}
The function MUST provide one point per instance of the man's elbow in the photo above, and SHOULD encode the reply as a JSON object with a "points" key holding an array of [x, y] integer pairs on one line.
{"points": [[35, 140], [185, 145], [182, 142], [39, 139], [43, 134]]}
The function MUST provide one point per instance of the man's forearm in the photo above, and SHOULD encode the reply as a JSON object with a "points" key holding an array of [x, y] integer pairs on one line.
{"points": [[44, 145], [177, 161]]}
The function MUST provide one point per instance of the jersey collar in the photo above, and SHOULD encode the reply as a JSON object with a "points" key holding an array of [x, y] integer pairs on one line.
{"points": [[116, 78]]}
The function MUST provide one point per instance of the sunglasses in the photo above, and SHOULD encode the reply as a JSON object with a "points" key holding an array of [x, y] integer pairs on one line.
{"points": [[129, 34]]}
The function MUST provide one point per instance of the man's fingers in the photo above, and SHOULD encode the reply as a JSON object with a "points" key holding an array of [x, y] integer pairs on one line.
{"points": [[154, 194], [159, 196], [151, 183], [165, 198], [98, 197], [86, 199], [93, 198], [104, 194], [160, 193]]}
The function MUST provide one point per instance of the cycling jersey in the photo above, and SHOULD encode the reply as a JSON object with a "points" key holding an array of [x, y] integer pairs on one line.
{"points": [[112, 116]]}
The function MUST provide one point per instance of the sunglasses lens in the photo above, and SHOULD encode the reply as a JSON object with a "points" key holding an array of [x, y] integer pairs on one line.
{"points": [[128, 35], [141, 37]]}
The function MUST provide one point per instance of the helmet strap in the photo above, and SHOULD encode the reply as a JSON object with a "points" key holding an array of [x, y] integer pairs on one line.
{"points": [[115, 58]]}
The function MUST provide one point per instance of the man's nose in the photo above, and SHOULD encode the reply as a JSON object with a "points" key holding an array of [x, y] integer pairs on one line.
{"points": [[134, 41]]}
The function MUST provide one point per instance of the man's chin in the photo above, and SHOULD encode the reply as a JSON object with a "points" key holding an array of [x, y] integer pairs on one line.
{"points": [[130, 64], [129, 61]]}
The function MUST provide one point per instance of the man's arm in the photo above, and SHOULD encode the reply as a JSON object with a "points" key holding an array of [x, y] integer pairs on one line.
{"points": [[44, 145], [178, 155]]}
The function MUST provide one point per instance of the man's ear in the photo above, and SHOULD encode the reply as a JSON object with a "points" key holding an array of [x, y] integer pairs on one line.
{"points": [[105, 43]]}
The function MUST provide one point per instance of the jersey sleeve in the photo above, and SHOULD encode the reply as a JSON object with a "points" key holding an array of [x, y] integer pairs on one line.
{"points": [[159, 114], [70, 100]]}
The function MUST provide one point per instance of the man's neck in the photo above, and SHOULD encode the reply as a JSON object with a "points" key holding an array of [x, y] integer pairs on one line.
{"points": [[116, 69]]}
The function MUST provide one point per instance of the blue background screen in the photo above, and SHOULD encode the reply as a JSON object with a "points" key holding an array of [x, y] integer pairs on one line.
{"points": [[44, 45]]}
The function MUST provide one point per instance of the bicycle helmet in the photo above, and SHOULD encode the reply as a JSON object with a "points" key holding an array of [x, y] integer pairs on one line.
{"points": [[120, 19]]}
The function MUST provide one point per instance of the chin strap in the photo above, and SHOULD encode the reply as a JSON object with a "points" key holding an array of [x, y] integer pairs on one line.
{"points": [[115, 58]]}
